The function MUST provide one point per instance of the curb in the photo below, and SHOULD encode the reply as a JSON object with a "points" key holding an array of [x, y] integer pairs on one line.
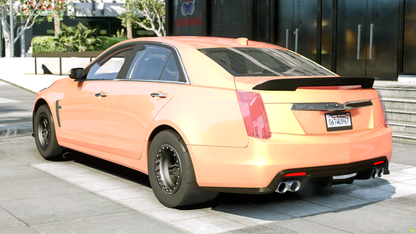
{"points": [[16, 130], [18, 86]]}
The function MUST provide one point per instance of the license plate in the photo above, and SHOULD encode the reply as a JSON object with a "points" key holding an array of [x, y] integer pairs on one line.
{"points": [[338, 121], [343, 177]]}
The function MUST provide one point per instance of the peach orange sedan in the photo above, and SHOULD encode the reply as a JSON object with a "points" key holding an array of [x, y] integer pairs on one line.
{"points": [[203, 115]]}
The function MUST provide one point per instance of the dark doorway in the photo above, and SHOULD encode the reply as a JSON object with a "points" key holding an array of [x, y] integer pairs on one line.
{"points": [[297, 26], [367, 38], [409, 52]]}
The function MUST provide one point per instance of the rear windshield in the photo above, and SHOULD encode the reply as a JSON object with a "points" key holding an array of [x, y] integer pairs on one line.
{"points": [[264, 62]]}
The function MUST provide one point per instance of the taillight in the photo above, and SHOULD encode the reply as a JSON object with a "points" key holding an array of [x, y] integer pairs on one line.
{"points": [[254, 115], [383, 115], [295, 174], [378, 163]]}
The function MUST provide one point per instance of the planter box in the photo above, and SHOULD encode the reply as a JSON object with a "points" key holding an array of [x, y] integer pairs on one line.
{"points": [[61, 63]]}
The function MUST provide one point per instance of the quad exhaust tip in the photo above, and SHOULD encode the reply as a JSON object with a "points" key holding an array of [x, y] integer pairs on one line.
{"points": [[282, 187], [290, 185], [377, 172]]}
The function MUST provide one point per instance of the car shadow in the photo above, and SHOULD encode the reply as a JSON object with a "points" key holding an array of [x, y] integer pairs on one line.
{"points": [[108, 167], [310, 200]]}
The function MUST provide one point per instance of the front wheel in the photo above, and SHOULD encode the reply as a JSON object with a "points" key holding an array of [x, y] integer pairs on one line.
{"points": [[45, 136], [171, 172]]}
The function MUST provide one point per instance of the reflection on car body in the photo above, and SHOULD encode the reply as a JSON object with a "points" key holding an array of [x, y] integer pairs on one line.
{"points": [[202, 115]]}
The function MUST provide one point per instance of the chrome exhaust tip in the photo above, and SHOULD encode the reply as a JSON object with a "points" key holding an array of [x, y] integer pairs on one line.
{"points": [[375, 172], [293, 185], [380, 172], [282, 187]]}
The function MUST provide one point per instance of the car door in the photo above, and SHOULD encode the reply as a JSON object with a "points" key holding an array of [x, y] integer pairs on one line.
{"points": [[152, 80], [84, 109]]}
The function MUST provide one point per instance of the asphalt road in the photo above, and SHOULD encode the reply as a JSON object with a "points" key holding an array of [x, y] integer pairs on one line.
{"points": [[15, 109], [83, 194]]}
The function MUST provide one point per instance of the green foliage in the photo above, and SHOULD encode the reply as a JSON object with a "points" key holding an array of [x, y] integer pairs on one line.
{"points": [[125, 16], [79, 38], [56, 8], [153, 11], [108, 42], [46, 45], [120, 34]]}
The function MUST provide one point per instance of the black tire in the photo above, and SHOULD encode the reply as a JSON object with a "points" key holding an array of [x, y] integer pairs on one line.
{"points": [[45, 135], [177, 186]]}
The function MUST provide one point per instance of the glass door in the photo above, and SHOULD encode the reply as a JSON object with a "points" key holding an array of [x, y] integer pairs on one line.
{"points": [[382, 38], [367, 38], [297, 26]]}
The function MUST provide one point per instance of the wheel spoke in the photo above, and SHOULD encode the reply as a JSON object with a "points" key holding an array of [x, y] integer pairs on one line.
{"points": [[167, 168], [44, 132], [174, 169]]}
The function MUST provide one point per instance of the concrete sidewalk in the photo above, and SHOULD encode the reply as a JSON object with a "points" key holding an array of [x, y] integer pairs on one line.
{"points": [[33, 200], [83, 194]]}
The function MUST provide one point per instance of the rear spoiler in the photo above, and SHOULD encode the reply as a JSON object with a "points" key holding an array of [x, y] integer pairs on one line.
{"points": [[294, 83]]}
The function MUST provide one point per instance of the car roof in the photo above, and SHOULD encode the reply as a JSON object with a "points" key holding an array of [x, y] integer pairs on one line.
{"points": [[198, 42]]}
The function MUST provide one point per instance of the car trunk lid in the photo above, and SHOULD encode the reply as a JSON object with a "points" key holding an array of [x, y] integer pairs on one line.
{"points": [[310, 106]]}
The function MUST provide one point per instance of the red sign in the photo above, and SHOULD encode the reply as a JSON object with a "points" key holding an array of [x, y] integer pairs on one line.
{"points": [[188, 22]]}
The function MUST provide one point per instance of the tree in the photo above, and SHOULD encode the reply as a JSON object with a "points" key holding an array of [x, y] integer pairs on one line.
{"points": [[56, 10], [24, 14], [153, 11]]}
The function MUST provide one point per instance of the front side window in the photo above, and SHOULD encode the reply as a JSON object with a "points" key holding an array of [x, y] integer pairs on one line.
{"points": [[264, 62], [109, 66], [154, 63]]}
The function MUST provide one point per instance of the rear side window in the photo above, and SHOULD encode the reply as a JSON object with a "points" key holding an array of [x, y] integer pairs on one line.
{"points": [[109, 66], [154, 63], [264, 62]]}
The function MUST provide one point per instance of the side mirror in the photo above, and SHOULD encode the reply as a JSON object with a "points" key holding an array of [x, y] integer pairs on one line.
{"points": [[76, 73]]}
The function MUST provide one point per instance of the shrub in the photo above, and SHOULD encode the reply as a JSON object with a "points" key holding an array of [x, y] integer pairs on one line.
{"points": [[46, 44], [79, 38], [107, 42]]}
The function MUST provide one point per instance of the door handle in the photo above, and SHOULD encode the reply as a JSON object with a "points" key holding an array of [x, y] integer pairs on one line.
{"points": [[359, 42], [296, 39], [101, 94], [371, 41], [160, 95]]}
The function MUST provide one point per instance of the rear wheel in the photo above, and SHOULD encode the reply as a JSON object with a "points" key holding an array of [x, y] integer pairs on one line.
{"points": [[171, 172], [45, 136]]}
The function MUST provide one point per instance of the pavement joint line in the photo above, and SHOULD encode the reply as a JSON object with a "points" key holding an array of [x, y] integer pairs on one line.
{"points": [[185, 221], [136, 208], [27, 225], [116, 200]]}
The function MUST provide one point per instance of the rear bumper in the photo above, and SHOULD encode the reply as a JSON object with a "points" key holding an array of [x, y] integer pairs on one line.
{"points": [[259, 167], [362, 169]]}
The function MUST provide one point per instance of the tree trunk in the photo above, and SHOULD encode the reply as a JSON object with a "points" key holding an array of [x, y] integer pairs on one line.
{"points": [[57, 23], [6, 35], [128, 21], [129, 29]]}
